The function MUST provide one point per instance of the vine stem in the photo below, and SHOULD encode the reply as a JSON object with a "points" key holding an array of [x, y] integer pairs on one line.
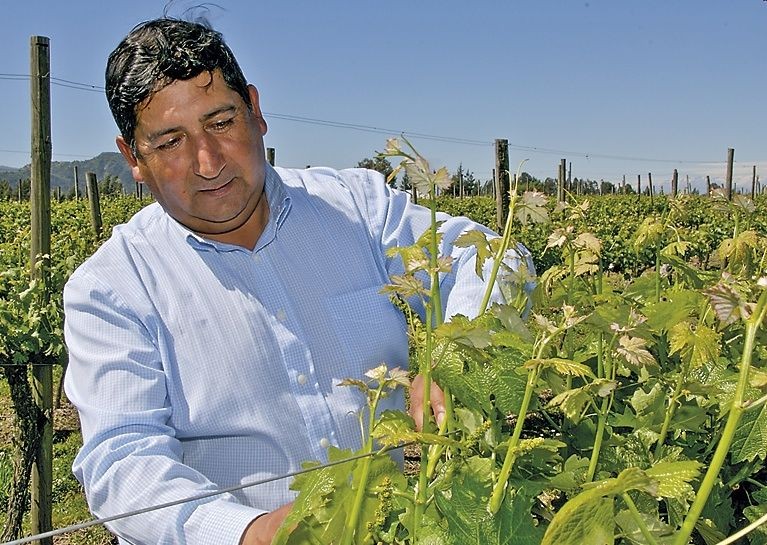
{"points": [[601, 424], [434, 318], [496, 499], [730, 427], [638, 518], [347, 538], [505, 242], [670, 411]]}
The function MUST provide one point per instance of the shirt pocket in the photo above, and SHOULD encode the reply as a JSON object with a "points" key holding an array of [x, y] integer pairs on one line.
{"points": [[370, 330]]}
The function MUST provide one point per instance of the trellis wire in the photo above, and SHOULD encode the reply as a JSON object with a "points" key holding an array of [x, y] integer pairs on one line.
{"points": [[97, 521]]}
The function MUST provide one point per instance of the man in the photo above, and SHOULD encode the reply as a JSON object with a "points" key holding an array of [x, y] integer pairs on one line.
{"points": [[208, 336]]}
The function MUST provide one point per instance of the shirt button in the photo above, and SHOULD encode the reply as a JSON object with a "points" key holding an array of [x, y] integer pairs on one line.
{"points": [[281, 315], [257, 258], [324, 443], [301, 379]]}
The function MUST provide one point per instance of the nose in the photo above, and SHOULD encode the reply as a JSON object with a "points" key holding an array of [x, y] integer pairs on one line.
{"points": [[208, 161]]}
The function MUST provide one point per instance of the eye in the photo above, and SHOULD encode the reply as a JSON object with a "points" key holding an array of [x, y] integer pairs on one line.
{"points": [[222, 124], [169, 144]]}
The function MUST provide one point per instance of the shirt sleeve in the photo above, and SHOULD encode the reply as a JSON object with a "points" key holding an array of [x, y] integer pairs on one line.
{"points": [[131, 458], [394, 220]]}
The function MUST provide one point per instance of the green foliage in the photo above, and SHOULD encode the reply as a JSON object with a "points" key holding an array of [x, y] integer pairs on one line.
{"points": [[31, 331], [629, 408]]}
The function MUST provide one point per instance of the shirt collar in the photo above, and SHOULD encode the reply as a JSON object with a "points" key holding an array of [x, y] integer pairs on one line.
{"points": [[279, 208]]}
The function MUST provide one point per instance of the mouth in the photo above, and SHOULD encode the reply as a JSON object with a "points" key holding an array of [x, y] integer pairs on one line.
{"points": [[218, 190]]}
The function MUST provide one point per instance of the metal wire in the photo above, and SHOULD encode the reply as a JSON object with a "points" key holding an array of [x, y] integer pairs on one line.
{"points": [[98, 521]]}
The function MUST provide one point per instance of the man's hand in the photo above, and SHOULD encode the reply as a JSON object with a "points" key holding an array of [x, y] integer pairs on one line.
{"points": [[436, 399], [262, 529]]}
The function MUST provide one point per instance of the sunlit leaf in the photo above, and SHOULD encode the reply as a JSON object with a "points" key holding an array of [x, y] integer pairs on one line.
{"points": [[750, 441], [727, 303], [532, 206], [674, 477], [696, 344], [634, 350]]}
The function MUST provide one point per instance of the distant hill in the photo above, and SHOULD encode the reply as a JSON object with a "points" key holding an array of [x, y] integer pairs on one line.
{"points": [[62, 172]]}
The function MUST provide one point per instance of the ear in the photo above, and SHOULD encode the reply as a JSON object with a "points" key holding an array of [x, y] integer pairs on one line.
{"points": [[130, 157], [253, 92]]}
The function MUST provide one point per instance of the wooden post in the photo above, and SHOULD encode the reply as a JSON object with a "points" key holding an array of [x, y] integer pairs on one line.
{"points": [[649, 185], [753, 184], [502, 184], [674, 183], [728, 181], [561, 181], [639, 185], [77, 183], [40, 205], [708, 185], [92, 189], [270, 155]]}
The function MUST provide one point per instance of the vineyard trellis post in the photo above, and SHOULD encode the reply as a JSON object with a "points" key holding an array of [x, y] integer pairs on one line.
{"points": [[649, 186], [502, 182], [675, 183], [77, 183], [728, 180], [270, 155], [40, 205], [93, 201], [753, 184], [561, 181]]}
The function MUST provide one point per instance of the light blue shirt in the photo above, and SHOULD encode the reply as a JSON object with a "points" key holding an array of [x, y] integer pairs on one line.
{"points": [[197, 365]]}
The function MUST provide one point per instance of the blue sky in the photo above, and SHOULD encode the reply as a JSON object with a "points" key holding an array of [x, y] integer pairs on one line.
{"points": [[616, 87]]}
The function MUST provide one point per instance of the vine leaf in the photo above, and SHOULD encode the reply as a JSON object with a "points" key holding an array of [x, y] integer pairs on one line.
{"points": [[634, 351], [478, 240], [588, 517], [696, 344], [464, 506], [395, 428], [532, 206], [727, 303], [674, 477], [750, 441], [481, 385], [572, 402]]}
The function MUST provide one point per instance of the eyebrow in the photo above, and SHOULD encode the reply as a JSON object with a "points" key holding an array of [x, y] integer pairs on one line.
{"points": [[153, 137]]}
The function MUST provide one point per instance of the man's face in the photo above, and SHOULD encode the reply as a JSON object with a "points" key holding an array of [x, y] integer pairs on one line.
{"points": [[200, 151]]}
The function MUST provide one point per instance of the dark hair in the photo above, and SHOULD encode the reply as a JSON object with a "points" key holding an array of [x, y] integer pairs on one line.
{"points": [[155, 54]]}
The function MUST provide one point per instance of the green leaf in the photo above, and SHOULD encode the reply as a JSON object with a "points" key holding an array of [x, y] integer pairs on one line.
{"points": [[532, 206], [674, 477], [662, 533], [573, 401], [663, 315], [478, 240], [464, 506], [461, 330], [561, 366], [396, 427], [589, 522], [750, 439], [481, 385], [696, 344], [649, 406]]}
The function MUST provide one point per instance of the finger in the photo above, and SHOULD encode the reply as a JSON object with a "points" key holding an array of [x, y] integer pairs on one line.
{"points": [[437, 400], [416, 401]]}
